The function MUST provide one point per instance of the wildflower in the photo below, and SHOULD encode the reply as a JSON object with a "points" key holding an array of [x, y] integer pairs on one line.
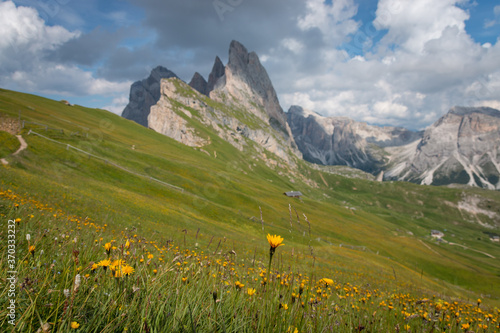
{"points": [[406, 327], [74, 325], [465, 326], [239, 285], [78, 280], [184, 279], [127, 270], [127, 244], [284, 306], [326, 281], [250, 291], [107, 246], [150, 256], [274, 242], [66, 293], [18, 220], [104, 263], [155, 271], [94, 267], [118, 273], [28, 237], [31, 249]]}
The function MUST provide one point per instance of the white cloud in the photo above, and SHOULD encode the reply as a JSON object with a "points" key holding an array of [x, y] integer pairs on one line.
{"points": [[117, 105], [412, 24], [334, 21], [26, 41], [424, 64]]}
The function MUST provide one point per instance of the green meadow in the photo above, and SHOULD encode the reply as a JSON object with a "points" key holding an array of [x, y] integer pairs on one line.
{"points": [[358, 254]]}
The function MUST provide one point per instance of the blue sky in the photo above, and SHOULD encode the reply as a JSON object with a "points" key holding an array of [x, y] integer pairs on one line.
{"points": [[396, 62]]}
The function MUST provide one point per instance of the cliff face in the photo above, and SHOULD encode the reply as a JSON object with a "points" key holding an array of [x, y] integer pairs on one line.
{"points": [[144, 94], [462, 147], [343, 141], [246, 84]]}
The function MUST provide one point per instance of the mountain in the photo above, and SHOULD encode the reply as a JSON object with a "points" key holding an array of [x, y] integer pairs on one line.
{"points": [[243, 109], [144, 94], [343, 141], [199, 84], [248, 85], [462, 147]]}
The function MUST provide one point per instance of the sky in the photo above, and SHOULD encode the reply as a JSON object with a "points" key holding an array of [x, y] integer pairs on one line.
{"points": [[386, 62]]}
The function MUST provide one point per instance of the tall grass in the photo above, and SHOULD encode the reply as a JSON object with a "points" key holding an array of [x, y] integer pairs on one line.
{"points": [[178, 285]]}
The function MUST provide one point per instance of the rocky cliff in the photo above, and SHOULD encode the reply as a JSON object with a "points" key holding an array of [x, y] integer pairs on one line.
{"points": [[246, 84], [462, 147], [343, 141], [144, 94]]}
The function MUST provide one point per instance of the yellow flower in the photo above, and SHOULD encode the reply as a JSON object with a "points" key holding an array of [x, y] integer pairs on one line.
{"points": [[18, 220], [104, 263], [31, 249], [274, 241], [184, 279], [465, 326], [250, 291], [239, 284], [155, 271], [326, 281], [94, 266], [127, 244], [150, 256], [284, 306], [118, 274], [74, 325], [127, 270]]}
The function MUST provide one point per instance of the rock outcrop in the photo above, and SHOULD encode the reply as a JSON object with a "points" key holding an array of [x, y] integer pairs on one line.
{"points": [[144, 94], [248, 85], [343, 141], [218, 71], [462, 147], [199, 84]]}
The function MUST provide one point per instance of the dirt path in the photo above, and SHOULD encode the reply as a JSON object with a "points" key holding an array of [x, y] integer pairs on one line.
{"points": [[468, 248], [23, 146]]}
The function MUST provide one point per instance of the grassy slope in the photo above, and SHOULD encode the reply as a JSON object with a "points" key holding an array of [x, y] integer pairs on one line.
{"points": [[222, 198]]}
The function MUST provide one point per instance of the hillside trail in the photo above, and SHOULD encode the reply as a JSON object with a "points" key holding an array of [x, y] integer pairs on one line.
{"points": [[23, 146]]}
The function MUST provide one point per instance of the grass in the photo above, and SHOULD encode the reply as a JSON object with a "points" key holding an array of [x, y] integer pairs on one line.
{"points": [[183, 284], [364, 234], [9, 144]]}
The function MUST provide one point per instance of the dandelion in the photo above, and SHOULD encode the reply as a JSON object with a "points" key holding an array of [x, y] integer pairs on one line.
{"points": [[94, 267], [104, 263], [274, 242], [127, 270], [150, 256], [18, 220], [74, 325], [465, 326], [326, 281], [250, 291], [107, 247]]}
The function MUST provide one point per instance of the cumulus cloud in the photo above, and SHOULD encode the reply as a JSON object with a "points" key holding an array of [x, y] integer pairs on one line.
{"points": [[32, 54]]}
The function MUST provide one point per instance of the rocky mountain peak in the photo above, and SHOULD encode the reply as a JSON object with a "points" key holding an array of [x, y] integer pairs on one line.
{"points": [[199, 83], [464, 110], [462, 147], [218, 71], [247, 81], [144, 94]]}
